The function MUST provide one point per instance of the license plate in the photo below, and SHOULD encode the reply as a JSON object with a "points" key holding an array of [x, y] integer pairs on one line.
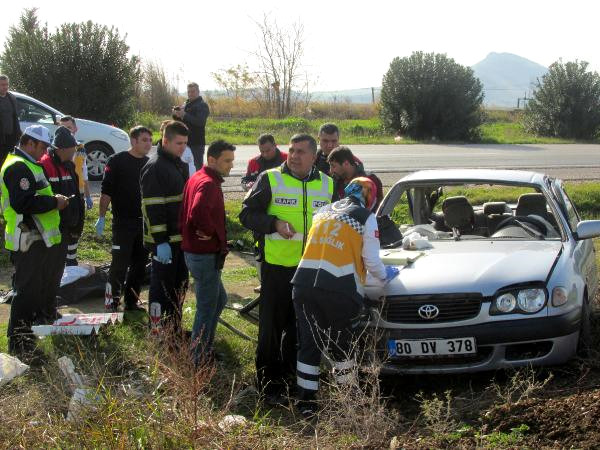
{"points": [[431, 347]]}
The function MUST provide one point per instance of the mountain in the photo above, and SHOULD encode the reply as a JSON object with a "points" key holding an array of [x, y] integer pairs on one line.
{"points": [[364, 95], [507, 77]]}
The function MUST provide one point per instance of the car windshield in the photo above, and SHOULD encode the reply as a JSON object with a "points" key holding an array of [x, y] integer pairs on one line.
{"points": [[467, 211]]}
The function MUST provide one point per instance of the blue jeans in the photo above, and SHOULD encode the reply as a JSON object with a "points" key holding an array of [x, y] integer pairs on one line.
{"points": [[210, 300]]}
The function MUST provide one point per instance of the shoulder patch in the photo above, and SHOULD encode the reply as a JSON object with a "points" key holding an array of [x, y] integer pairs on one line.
{"points": [[24, 184]]}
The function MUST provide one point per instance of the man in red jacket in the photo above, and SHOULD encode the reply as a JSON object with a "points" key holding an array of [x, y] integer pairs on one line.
{"points": [[205, 243]]}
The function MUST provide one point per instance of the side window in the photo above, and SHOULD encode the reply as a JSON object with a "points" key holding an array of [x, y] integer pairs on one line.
{"points": [[572, 215], [32, 113]]}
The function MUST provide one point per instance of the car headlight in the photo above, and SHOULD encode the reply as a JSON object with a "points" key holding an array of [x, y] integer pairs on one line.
{"points": [[531, 300], [527, 300], [120, 135], [506, 303]]}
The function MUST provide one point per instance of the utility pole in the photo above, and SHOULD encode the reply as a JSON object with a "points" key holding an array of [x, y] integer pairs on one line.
{"points": [[373, 94]]}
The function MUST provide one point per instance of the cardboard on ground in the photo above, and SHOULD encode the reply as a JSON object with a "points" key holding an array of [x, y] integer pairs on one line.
{"points": [[78, 324]]}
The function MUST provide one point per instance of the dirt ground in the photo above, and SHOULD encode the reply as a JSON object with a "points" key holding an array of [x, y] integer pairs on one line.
{"points": [[565, 413]]}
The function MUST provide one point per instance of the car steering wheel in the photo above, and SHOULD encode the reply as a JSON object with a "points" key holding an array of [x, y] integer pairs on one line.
{"points": [[516, 220]]}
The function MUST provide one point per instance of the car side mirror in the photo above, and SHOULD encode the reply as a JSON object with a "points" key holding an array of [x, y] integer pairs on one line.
{"points": [[587, 229]]}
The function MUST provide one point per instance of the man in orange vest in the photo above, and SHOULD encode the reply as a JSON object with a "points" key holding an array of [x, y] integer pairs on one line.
{"points": [[342, 245]]}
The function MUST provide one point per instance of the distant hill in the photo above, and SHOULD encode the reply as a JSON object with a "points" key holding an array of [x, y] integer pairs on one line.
{"points": [[363, 95], [506, 77]]}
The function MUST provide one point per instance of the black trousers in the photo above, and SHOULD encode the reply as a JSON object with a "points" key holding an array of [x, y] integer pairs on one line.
{"points": [[198, 152], [326, 324], [73, 240], [168, 285], [128, 264], [276, 349], [5, 149], [35, 284]]}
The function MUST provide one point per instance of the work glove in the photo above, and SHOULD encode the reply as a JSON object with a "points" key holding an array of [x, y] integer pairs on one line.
{"points": [[89, 203], [390, 273], [163, 253], [100, 226]]}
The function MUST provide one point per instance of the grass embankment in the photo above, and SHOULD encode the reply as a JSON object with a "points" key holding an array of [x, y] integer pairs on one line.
{"points": [[500, 127], [150, 397]]}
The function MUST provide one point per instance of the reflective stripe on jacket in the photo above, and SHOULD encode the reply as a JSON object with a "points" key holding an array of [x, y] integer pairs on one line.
{"points": [[47, 223], [294, 201]]}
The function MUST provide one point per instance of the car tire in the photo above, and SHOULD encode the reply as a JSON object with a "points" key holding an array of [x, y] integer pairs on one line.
{"points": [[585, 329], [97, 155]]}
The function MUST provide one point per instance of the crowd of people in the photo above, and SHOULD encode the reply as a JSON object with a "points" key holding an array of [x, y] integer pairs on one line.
{"points": [[310, 209]]}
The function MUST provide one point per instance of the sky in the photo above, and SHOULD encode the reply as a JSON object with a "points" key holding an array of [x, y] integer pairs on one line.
{"points": [[347, 45]]}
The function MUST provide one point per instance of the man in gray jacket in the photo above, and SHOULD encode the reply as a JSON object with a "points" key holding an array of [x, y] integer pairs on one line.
{"points": [[194, 114]]}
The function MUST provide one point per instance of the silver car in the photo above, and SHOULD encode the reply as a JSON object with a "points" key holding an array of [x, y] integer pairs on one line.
{"points": [[497, 270]]}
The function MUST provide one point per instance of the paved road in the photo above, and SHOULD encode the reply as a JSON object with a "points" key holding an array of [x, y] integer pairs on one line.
{"points": [[568, 161]]}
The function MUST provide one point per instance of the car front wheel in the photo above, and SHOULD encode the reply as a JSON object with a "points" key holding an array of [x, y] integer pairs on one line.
{"points": [[97, 155]]}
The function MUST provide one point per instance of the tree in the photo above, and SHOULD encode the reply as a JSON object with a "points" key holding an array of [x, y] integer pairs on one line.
{"points": [[156, 92], [82, 68], [237, 81], [279, 75], [566, 102], [428, 95]]}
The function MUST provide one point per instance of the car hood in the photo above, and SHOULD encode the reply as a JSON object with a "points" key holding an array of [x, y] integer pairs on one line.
{"points": [[90, 124], [473, 266]]}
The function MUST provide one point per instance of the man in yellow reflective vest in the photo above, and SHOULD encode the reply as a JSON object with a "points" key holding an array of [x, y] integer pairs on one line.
{"points": [[279, 208], [30, 210]]}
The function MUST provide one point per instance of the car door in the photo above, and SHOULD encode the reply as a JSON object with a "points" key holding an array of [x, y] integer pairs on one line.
{"points": [[585, 252], [31, 113]]}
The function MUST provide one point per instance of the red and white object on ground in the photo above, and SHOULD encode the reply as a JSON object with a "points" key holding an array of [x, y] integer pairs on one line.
{"points": [[78, 324]]}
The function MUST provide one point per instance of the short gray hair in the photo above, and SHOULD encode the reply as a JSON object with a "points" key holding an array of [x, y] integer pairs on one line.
{"points": [[3, 77]]}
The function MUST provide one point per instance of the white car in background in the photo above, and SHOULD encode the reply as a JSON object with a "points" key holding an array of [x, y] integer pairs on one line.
{"points": [[100, 140]]}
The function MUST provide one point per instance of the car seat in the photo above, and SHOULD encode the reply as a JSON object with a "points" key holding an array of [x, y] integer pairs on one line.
{"points": [[495, 212], [459, 215]]}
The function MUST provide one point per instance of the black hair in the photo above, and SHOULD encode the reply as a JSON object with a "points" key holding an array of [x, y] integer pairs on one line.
{"points": [[175, 128], [341, 154], [217, 147], [329, 128], [264, 138], [64, 119], [303, 137], [135, 132]]}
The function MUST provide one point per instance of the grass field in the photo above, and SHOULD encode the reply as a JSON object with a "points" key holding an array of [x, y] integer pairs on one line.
{"points": [[150, 397], [499, 129]]}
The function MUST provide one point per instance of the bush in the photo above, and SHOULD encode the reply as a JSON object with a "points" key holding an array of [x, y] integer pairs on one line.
{"points": [[428, 95], [82, 68], [566, 102]]}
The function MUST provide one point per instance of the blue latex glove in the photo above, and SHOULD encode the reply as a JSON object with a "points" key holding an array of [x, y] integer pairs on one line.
{"points": [[163, 253], [390, 273], [89, 202], [100, 226]]}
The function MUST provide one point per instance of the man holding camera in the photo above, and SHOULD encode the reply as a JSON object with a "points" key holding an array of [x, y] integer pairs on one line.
{"points": [[194, 114]]}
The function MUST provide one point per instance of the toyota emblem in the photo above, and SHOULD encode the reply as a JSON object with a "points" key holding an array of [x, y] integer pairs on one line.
{"points": [[428, 312]]}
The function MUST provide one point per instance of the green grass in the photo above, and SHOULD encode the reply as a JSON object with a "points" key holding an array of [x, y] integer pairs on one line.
{"points": [[500, 127], [514, 133]]}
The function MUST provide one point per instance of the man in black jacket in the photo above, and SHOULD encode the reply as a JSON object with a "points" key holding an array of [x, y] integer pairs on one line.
{"points": [[279, 208], [162, 180], [10, 130], [194, 114]]}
